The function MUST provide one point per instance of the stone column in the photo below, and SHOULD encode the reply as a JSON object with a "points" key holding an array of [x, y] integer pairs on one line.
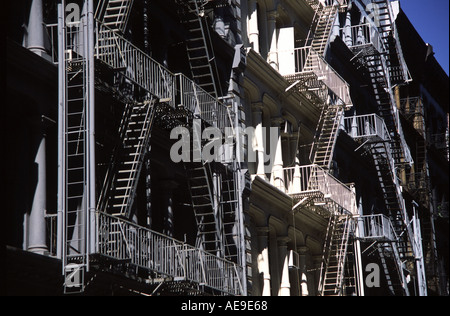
{"points": [[278, 164], [219, 23], [317, 264], [285, 286], [348, 30], [35, 29], [272, 57], [258, 141], [36, 237], [303, 251], [292, 182], [263, 259], [253, 30]]}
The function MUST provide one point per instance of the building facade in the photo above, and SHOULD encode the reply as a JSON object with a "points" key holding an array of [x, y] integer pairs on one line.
{"points": [[262, 148]]}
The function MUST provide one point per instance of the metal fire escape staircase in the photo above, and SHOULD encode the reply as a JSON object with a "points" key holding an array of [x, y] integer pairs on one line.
{"points": [[379, 232], [332, 105], [386, 67], [152, 85], [419, 187], [213, 192], [209, 236], [119, 189], [398, 71], [332, 282], [114, 13], [332, 114], [381, 55], [214, 201], [325, 142], [199, 47], [326, 15], [336, 99], [374, 136]]}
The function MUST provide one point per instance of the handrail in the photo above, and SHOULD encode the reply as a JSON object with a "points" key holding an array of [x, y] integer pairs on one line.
{"points": [[202, 104], [361, 35], [376, 228], [307, 60], [140, 68], [366, 126], [119, 53], [313, 178], [123, 240]]}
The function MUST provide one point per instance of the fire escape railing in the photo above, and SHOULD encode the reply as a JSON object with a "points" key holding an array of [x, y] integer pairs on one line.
{"points": [[369, 126], [125, 241], [312, 68], [303, 181], [362, 35], [120, 239], [118, 53], [376, 228]]}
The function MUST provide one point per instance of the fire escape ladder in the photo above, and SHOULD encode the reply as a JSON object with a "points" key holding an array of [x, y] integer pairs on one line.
{"points": [[119, 189], [398, 70], [139, 73], [391, 261], [76, 152], [377, 68], [325, 142], [325, 21], [392, 198], [331, 116], [110, 232], [199, 48], [372, 130], [75, 155], [378, 230], [229, 204], [335, 256], [114, 13], [206, 211]]}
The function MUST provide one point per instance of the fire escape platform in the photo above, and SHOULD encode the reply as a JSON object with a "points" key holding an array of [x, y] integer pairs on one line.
{"points": [[313, 184]]}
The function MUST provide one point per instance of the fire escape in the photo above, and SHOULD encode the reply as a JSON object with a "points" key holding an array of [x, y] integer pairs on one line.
{"points": [[378, 52], [313, 186], [199, 46], [419, 186], [102, 227]]}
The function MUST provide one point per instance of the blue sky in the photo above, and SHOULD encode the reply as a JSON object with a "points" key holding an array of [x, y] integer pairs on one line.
{"points": [[430, 18]]}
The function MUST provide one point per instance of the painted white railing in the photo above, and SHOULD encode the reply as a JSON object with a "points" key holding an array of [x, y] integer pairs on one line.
{"points": [[304, 180], [202, 104], [138, 67], [366, 126], [358, 36], [307, 60], [123, 240], [376, 228]]}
